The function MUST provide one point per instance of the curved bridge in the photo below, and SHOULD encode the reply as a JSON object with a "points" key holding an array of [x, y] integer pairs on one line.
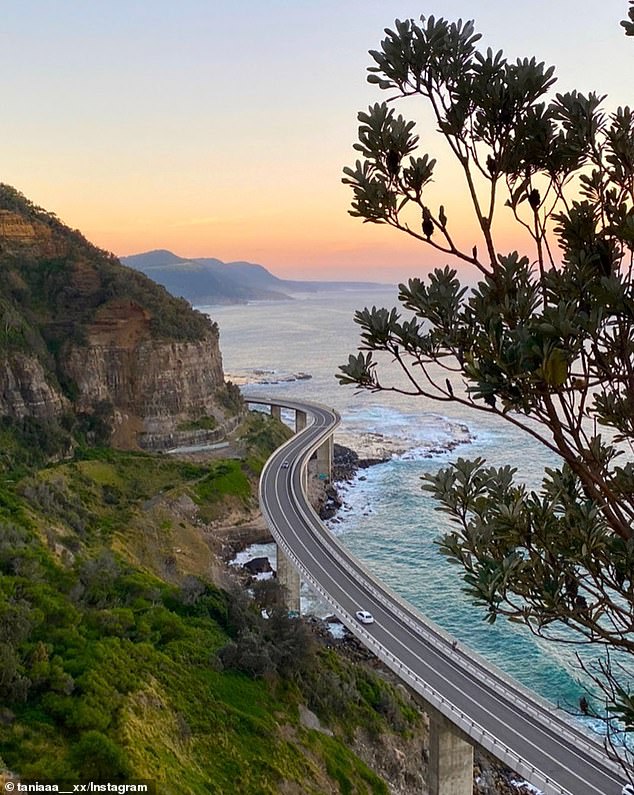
{"points": [[521, 730]]}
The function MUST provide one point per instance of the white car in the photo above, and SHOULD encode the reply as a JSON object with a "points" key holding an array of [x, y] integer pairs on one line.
{"points": [[628, 789], [284, 464], [364, 617]]}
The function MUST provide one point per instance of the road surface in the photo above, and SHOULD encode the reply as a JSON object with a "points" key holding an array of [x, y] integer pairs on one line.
{"points": [[524, 732]]}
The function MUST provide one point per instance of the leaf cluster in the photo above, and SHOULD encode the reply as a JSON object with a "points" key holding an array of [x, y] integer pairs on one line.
{"points": [[544, 340]]}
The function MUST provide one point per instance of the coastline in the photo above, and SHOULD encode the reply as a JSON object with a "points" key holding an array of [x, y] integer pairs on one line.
{"points": [[352, 453], [253, 562], [346, 465]]}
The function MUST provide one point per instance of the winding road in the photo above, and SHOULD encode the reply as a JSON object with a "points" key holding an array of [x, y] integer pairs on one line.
{"points": [[524, 732]]}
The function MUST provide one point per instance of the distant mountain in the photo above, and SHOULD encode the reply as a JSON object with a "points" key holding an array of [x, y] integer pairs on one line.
{"points": [[207, 280]]}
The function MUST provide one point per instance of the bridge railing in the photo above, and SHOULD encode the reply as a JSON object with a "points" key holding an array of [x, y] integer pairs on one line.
{"points": [[502, 683], [474, 730]]}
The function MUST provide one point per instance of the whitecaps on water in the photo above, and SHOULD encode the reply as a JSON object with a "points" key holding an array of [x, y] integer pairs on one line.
{"points": [[310, 603], [383, 431], [255, 551]]}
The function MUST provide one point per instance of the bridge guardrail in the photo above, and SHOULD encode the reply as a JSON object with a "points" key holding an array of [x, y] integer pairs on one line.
{"points": [[443, 705], [502, 683], [518, 695]]}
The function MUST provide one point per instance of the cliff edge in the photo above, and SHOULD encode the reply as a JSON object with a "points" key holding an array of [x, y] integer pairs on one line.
{"points": [[99, 349]]}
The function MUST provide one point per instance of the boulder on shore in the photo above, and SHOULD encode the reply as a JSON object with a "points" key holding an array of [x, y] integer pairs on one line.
{"points": [[257, 566]]}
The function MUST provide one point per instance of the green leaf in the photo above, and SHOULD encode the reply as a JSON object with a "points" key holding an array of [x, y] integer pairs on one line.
{"points": [[555, 368]]}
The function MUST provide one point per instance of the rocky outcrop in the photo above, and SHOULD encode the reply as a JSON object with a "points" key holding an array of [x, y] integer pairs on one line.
{"points": [[154, 386], [81, 334], [25, 390], [26, 236], [258, 566]]}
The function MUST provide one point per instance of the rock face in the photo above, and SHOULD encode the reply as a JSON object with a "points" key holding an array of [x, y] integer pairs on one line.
{"points": [[155, 386], [258, 566], [26, 392], [82, 335], [20, 235]]}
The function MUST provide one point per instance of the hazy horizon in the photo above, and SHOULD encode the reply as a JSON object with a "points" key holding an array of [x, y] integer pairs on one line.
{"points": [[290, 276]]}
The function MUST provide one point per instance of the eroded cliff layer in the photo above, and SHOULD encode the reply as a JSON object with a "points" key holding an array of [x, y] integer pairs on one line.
{"points": [[81, 334], [155, 386]]}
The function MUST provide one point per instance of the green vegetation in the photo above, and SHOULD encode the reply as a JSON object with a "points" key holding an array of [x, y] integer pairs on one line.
{"points": [[346, 770], [43, 306], [30, 442], [205, 423], [544, 341], [120, 659], [262, 434], [55, 288], [226, 484], [230, 398]]}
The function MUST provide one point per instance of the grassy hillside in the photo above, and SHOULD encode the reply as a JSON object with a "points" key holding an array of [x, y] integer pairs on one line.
{"points": [[120, 659]]}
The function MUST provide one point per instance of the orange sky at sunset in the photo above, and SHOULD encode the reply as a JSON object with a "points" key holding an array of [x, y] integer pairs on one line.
{"points": [[221, 129]]}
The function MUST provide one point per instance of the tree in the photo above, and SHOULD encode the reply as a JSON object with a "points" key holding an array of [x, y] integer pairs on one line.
{"points": [[545, 340]]}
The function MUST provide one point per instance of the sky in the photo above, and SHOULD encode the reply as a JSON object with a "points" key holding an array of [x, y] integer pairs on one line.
{"points": [[220, 128]]}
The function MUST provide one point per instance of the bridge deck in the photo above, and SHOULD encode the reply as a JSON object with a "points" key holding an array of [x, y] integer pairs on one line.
{"points": [[521, 730]]}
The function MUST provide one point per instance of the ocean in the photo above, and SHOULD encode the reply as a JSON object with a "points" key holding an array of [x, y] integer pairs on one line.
{"points": [[387, 520]]}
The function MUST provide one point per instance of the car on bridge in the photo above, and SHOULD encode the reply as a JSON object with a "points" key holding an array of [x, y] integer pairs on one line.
{"points": [[284, 464], [364, 617]]}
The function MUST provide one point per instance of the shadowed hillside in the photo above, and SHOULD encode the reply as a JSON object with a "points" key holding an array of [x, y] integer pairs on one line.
{"points": [[210, 281]]}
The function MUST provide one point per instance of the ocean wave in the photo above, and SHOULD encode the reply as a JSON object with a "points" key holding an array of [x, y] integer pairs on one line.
{"points": [[260, 376], [387, 435], [381, 432], [357, 497]]}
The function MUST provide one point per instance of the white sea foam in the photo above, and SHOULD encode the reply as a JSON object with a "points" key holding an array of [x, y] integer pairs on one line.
{"points": [[524, 786], [337, 630], [386, 432], [249, 377], [256, 551], [310, 603], [358, 499]]}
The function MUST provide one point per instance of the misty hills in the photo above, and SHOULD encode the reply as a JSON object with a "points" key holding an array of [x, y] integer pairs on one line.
{"points": [[208, 280]]}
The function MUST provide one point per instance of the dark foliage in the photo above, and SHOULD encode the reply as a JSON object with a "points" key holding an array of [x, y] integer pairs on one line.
{"points": [[543, 341]]}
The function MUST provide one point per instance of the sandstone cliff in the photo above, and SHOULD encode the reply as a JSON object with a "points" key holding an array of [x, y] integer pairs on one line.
{"points": [[155, 386], [81, 335]]}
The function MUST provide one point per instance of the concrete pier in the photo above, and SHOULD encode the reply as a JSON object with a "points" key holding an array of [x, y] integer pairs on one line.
{"points": [[300, 420], [276, 411], [288, 578], [324, 460], [450, 758]]}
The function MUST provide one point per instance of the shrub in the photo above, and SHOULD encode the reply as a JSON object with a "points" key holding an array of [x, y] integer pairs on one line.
{"points": [[99, 758]]}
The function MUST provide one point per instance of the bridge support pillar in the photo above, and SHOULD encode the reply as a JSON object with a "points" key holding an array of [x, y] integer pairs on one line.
{"points": [[450, 758], [300, 420], [288, 578], [324, 459], [276, 411]]}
